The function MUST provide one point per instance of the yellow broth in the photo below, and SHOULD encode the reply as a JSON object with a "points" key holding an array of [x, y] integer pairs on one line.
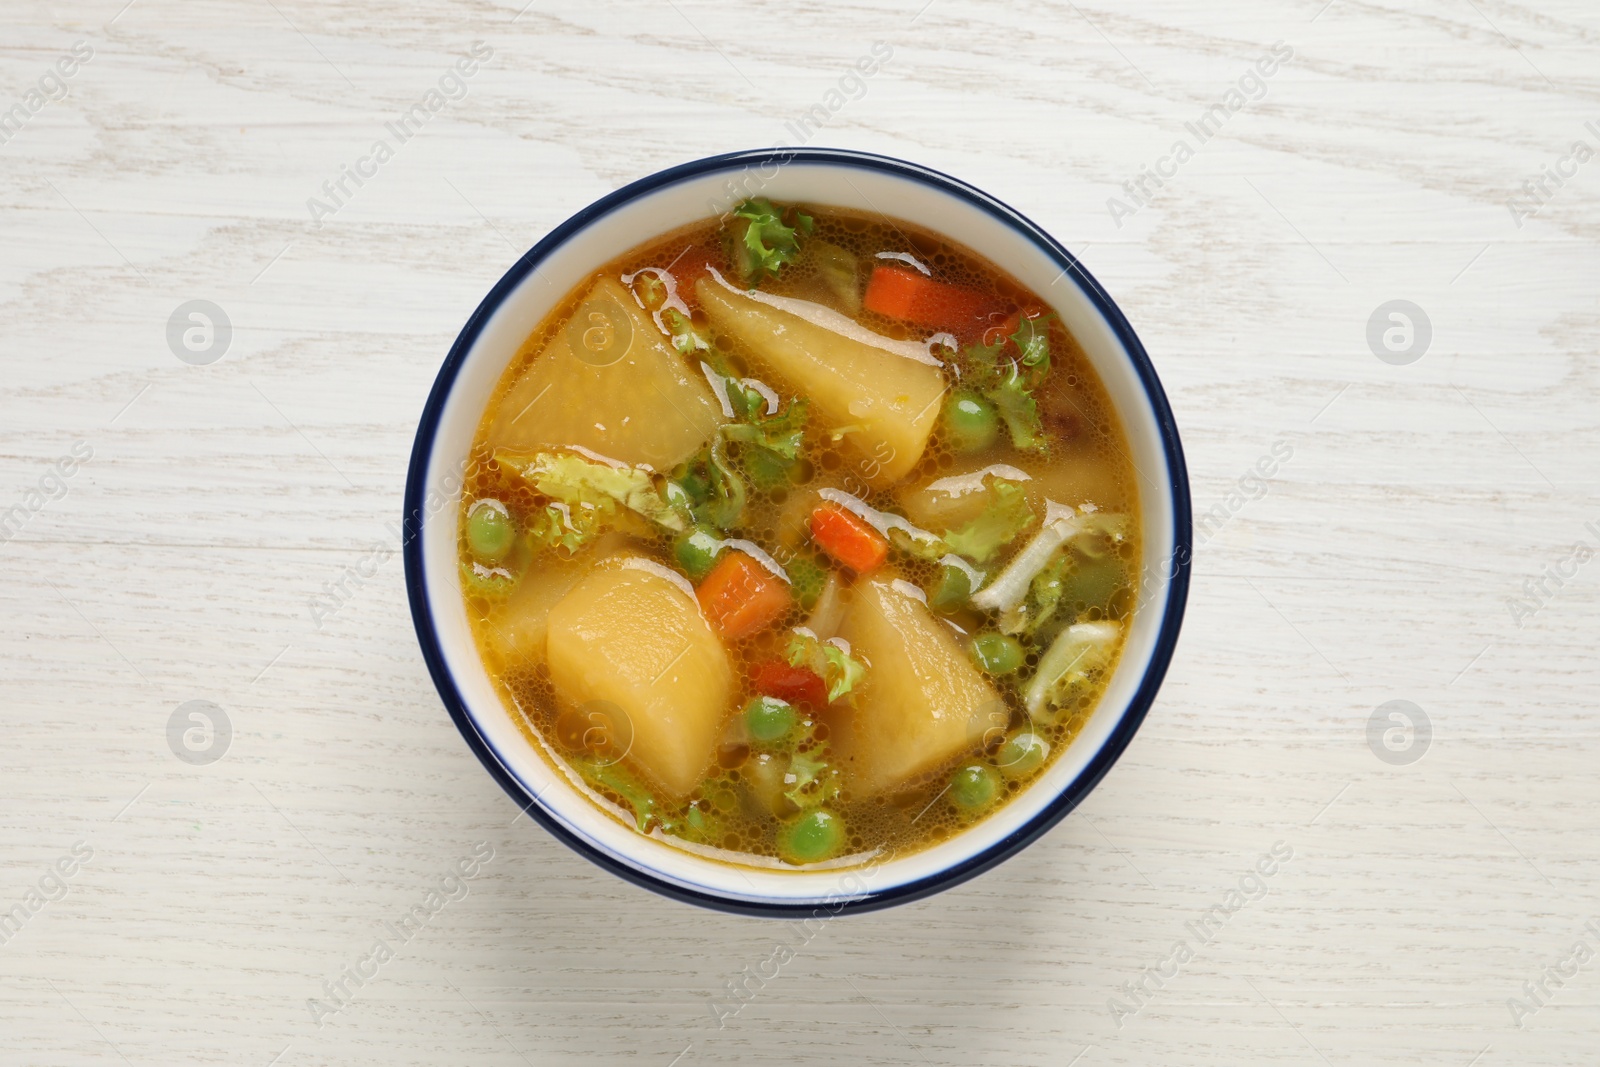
{"points": [[1085, 463]]}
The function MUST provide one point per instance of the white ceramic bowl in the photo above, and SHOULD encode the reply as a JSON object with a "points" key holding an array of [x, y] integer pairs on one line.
{"points": [[664, 202]]}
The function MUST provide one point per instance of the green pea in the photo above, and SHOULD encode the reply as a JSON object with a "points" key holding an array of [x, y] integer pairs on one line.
{"points": [[974, 787], [813, 837], [997, 654], [490, 531], [952, 590], [697, 549], [769, 719], [970, 422], [1023, 753]]}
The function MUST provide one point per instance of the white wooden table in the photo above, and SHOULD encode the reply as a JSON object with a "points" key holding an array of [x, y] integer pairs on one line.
{"points": [[190, 556]]}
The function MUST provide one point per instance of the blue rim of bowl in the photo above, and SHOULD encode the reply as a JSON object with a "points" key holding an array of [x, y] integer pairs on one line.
{"points": [[1058, 808]]}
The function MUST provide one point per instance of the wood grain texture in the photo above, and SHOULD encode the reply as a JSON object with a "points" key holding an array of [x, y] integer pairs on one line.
{"points": [[1376, 564]]}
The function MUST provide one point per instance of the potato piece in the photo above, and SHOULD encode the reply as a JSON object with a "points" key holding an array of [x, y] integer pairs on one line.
{"points": [[650, 406], [923, 701], [889, 390], [632, 635]]}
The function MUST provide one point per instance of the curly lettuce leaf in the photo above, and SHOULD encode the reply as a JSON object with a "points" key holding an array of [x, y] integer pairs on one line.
{"points": [[811, 780], [999, 379], [745, 399], [762, 244], [1001, 522], [1032, 338], [839, 671], [1031, 617], [575, 480], [725, 507], [709, 487], [806, 580], [687, 338], [1010, 587], [1086, 573], [1019, 412], [617, 780], [771, 442], [1048, 584], [649, 287], [782, 433], [1007, 516], [569, 526]]}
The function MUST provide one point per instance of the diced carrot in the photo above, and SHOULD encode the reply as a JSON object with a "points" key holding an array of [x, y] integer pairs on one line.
{"points": [[740, 596], [893, 291], [848, 539], [797, 685], [999, 335], [904, 294], [694, 263]]}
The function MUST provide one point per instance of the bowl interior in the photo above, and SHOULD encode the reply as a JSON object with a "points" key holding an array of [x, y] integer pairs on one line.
{"points": [[503, 328]]}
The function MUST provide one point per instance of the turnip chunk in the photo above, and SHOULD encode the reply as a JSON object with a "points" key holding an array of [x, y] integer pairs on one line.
{"points": [[632, 635], [882, 394], [1011, 584], [922, 703], [639, 403]]}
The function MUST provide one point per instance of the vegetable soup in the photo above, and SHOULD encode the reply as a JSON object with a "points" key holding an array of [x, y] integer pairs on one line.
{"points": [[800, 536]]}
